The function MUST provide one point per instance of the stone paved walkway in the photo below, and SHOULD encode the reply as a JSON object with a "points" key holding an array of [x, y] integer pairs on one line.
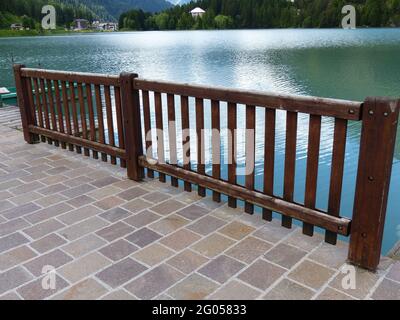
{"points": [[111, 238]]}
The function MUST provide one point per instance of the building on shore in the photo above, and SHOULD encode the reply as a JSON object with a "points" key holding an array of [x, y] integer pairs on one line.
{"points": [[17, 26], [80, 24], [197, 12], [106, 26]]}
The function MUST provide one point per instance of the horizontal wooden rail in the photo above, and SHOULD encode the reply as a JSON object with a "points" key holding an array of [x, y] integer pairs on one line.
{"points": [[64, 137], [90, 78], [315, 217], [342, 109]]}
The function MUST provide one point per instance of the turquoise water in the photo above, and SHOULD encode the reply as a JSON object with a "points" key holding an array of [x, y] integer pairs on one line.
{"points": [[347, 64]]}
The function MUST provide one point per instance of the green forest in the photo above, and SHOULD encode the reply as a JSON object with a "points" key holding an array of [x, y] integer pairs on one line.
{"points": [[252, 14]]}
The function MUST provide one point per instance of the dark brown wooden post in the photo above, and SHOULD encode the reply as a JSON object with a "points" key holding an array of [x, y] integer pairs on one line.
{"points": [[27, 117], [132, 125], [379, 118]]}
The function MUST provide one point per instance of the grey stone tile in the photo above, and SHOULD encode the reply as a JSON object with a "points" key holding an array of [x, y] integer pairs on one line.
{"points": [[15, 257], [109, 203], [153, 254], [49, 201], [143, 237], [194, 287], [119, 295], [206, 225], [289, 290], [102, 182], [236, 230], [132, 193], [115, 231], [20, 211], [81, 201], [11, 241], [13, 278], [154, 282], [187, 261], [136, 205], [394, 273], [311, 274], [387, 290], [273, 232], [331, 256], [169, 224], [48, 213], [121, 272], [84, 245], [156, 197], [40, 230], [222, 268], [6, 205], [78, 191], [35, 291], [193, 212], [83, 228], [11, 296], [28, 187], [88, 289], [332, 294], [55, 259], [180, 239], [235, 290], [12, 226], [285, 255], [80, 214], [167, 207], [249, 249], [47, 243], [142, 219], [115, 214], [56, 188], [118, 250], [213, 245]]}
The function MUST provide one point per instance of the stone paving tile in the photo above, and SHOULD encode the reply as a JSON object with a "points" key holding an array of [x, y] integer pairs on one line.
{"points": [[109, 203], [5, 195], [221, 269], [311, 274], [26, 198], [289, 290], [193, 212], [261, 274], [213, 245], [143, 237], [125, 183], [121, 272], [104, 192], [273, 232], [42, 229], [15, 257], [20, 211], [236, 230], [82, 228], [365, 281], [137, 205], [115, 231], [206, 225], [153, 254], [56, 258], [83, 267], [119, 295], [297, 239], [12, 226], [249, 249], [142, 219], [11, 241], [9, 184], [100, 183], [331, 256], [80, 201], [285, 255], [187, 261], [34, 290], [75, 182], [167, 207], [84, 245], [26, 188], [48, 213], [78, 191], [88, 289], [56, 188], [80, 214], [180, 239], [332, 294], [194, 287], [132, 193], [387, 290], [394, 273], [55, 181], [6, 205], [49, 201], [11, 296], [118, 250], [47, 243], [115, 214], [169, 224], [235, 290], [154, 282], [13, 278], [156, 197]]}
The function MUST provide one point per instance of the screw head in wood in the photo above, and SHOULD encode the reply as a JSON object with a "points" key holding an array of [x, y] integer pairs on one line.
{"points": [[385, 114], [364, 234], [371, 112], [370, 178], [351, 111]]}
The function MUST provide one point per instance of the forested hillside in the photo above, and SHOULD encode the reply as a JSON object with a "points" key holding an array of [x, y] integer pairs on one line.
{"points": [[225, 14]]}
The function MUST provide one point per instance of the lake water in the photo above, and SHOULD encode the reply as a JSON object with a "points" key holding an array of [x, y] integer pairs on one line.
{"points": [[346, 64]]}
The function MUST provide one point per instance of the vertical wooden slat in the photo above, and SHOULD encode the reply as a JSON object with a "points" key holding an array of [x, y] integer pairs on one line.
{"points": [[67, 112], [250, 152], [120, 123], [74, 113], [186, 138], [232, 114], [25, 103], [100, 119], [147, 127], [60, 115], [290, 163], [39, 106], [160, 132], [52, 109], [269, 157], [82, 108], [45, 107], [336, 181], [378, 136], [92, 125], [172, 135], [110, 122], [216, 145], [314, 137], [201, 167]]}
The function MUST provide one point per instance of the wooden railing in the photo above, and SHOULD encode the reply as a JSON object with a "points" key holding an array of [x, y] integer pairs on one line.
{"points": [[77, 110]]}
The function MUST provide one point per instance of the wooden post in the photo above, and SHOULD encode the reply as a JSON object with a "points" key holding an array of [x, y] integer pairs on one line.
{"points": [[25, 109], [379, 118], [130, 104]]}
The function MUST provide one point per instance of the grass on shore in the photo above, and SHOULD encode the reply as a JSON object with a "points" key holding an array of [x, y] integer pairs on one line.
{"points": [[29, 33]]}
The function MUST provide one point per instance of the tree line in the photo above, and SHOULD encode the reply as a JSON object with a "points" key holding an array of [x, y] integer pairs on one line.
{"points": [[254, 14]]}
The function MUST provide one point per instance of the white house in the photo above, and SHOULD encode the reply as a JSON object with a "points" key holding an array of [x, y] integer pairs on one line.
{"points": [[197, 12]]}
